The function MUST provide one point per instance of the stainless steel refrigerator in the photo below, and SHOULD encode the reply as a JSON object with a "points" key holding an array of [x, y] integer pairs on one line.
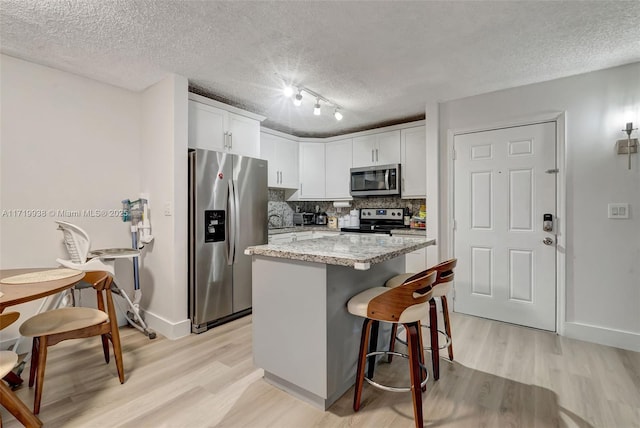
{"points": [[227, 213]]}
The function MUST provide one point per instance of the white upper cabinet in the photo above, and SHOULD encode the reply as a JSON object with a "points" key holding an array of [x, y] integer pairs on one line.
{"points": [[338, 164], [243, 135], [282, 155], [413, 148], [206, 127], [376, 149], [312, 171], [212, 127]]}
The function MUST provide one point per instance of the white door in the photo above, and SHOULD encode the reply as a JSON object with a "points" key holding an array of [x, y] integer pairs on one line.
{"points": [[504, 183]]}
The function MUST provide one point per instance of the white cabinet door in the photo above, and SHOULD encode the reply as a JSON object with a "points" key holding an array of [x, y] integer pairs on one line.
{"points": [[268, 151], [312, 170], [282, 155], [287, 152], [213, 128], [338, 163], [416, 261], [364, 151], [376, 149], [206, 127], [413, 149], [243, 135], [387, 148]]}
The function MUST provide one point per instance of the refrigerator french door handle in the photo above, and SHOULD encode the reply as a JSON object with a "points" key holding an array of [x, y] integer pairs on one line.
{"points": [[231, 235], [235, 215], [192, 228]]}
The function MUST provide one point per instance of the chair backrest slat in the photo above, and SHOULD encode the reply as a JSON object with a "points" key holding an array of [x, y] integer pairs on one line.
{"points": [[390, 305]]}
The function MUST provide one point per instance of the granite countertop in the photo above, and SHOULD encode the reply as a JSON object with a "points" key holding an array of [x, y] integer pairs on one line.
{"points": [[407, 231], [359, 251], [307, 228]]}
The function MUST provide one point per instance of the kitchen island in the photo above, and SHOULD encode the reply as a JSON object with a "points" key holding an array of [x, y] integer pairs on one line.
{"points": [[303, 336]]}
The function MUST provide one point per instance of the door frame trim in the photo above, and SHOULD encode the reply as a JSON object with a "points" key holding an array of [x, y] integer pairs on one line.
{"points": [[560, 119]]}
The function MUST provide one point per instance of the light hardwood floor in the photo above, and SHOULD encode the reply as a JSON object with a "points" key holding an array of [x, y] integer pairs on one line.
{"points": [[503, 376]]}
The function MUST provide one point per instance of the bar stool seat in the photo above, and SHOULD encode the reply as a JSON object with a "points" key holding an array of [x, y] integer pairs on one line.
{"points": [[405, 305], [441, 288]]}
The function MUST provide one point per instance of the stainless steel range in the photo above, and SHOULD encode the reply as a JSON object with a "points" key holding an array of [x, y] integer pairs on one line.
{"points": [[378, 220]]}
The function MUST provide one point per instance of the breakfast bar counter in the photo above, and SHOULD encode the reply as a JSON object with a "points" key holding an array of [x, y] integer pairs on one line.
{"points": [[303, 336]]}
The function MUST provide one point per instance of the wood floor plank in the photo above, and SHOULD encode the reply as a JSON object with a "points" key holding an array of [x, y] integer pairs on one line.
{"points": [[503, 376]]}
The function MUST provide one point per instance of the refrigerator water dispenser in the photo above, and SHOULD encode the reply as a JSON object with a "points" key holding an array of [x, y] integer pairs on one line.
{"points": [[214, 226]]}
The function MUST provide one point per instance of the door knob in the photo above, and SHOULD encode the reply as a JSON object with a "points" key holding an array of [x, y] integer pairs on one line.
{"points": [[547, 241]]}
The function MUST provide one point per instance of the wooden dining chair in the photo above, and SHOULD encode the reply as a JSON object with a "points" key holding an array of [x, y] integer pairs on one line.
{"points": [[8, 399], [51, 327]]}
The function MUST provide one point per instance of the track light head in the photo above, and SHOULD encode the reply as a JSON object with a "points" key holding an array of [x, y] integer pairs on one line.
{"points": [[337, 114], [316, 107], [288, 91], [297, 101]]}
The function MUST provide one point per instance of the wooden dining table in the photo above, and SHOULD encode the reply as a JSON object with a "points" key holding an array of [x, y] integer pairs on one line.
{"points": [[21, 292]]}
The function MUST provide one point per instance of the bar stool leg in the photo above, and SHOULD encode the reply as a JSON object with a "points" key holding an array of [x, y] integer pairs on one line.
{"points": [[433, 328], [362, 360], [373, 346], [423, 371], [447, 325], [392, 344], [413, 339]]}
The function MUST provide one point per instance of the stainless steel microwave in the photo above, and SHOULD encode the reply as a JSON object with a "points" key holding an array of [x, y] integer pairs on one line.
{"points": [[377, 180]]}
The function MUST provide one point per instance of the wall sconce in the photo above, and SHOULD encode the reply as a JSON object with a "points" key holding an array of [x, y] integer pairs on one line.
{"points": [[628, 146]]}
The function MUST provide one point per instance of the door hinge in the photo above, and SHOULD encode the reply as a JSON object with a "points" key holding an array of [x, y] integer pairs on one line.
{"points": [[552, 171], [455, 224], [454, 154]]}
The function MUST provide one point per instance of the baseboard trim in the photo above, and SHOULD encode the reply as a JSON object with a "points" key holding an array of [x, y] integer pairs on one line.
{"points": [[170, 330], [603, 336]]}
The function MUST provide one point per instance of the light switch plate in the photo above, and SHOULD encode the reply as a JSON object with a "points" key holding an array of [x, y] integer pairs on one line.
{"points": [[618, 210]]}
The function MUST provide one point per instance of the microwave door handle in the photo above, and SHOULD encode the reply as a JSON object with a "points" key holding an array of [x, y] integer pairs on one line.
{"points": [[386, 179]]}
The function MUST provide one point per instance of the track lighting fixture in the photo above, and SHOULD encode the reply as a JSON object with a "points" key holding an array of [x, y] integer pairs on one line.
{"points": [[289, 90]]}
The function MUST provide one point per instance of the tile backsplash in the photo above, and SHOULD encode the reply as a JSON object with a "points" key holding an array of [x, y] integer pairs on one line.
{"points": [[281, 211]]}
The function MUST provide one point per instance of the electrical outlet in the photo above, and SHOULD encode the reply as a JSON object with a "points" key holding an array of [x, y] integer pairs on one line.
{"points": [[167, 209], [618, 210]]}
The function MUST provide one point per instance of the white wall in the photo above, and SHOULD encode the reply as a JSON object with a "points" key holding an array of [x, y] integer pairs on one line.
{"points": [[163, 274], [67, 143], [602, 255]]}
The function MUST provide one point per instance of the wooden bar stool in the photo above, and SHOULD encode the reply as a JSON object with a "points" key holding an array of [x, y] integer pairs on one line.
{"points": [[441, 288], [406, 305]]}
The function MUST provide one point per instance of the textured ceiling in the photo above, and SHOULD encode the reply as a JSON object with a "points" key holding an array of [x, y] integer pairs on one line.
{"points": [[381, 61]]}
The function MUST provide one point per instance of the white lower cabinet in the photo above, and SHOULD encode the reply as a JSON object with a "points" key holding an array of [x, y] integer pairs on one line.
{"points": [[416, 261]]}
